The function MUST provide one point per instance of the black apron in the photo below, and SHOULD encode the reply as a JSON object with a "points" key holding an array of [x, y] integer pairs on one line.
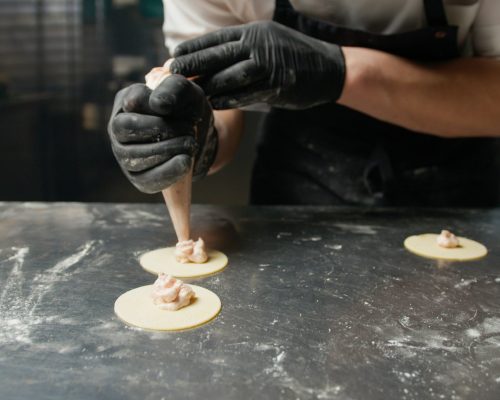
{"points": [[334, 155]]}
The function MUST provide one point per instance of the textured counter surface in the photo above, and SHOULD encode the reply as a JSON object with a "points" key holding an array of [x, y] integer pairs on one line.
{"points": [[318, 303]]}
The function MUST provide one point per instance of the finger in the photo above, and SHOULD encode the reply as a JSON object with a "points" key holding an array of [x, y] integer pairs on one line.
{"points": [[136, 99], [210, 60], [234, 77], [178, 97], [141, 157], [161, 177], [255, 93], [118, 102], [139, 128], [224, 35]]}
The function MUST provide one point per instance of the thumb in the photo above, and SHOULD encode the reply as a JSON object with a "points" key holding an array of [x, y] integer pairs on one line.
{"points": [[178, 97]]}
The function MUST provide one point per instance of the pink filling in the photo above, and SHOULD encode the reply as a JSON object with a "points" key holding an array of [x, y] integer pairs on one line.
{"points": [[157, 75], [447, 239], [191, 251], [170, 293]]}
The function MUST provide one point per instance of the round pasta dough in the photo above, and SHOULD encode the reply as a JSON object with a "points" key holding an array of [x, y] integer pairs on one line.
{"points": [[136, 308], [163, 261], [426, 246]]}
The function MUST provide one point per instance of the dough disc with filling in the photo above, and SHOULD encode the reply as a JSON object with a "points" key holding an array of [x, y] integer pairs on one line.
{"points": [[136, 308], [426, 246], [163, 260]]}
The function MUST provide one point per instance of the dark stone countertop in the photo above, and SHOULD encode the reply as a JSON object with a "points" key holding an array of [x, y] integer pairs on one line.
{"points": [[318, 303]]}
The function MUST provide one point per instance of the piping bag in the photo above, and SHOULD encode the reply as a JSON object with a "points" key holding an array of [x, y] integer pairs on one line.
{"points": [[177, 196]]}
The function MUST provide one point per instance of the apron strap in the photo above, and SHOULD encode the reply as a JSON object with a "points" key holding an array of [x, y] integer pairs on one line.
{"points": [[435, 13], [282, 7], [283, 4]]}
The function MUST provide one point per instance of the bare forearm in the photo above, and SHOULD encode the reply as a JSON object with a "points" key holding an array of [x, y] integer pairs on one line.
{"points": [[459, 98], [229, 125]]}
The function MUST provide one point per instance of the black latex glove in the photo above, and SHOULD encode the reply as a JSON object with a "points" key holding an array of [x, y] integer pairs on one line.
{"points": [[156, 134], [263, 62]]}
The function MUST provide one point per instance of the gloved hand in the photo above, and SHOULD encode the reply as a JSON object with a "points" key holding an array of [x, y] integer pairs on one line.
{"points": [[156, 135], [263, 62]]}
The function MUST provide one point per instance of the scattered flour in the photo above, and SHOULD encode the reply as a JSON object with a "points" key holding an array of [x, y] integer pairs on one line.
{"points": [[130, 216], [281, 235], [473, 333], [280, 376], [311, 239], [264, 347], [465, 283], [357, 229], [21, 296], [335, 247], [491, 326]]}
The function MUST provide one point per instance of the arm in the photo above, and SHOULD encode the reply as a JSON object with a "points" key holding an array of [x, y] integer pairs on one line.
{"points": [[229, 125], [268, 62], [460, 98]]}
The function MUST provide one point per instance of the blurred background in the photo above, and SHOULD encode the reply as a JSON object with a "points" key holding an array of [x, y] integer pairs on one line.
{"points": [[61, 63]]}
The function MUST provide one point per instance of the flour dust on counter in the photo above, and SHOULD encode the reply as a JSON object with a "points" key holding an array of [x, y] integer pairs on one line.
{"points": [[22, 295], [351, 316]]}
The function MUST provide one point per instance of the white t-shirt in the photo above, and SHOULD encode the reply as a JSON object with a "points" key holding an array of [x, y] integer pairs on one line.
{"points": [[478, 20]]}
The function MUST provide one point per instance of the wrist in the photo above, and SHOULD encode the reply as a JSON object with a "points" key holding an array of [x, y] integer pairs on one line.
{"points": [[229, 127], [221, 132], [358, 72]]}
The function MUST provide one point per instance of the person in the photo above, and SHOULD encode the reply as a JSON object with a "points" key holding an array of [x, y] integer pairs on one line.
{"points": [[393, 104]]}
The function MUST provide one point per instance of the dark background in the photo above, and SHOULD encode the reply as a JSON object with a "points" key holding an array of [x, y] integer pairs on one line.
{"points": [[61, 62]]}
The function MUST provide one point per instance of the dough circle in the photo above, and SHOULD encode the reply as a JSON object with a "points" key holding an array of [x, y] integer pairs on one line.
{"points": [[163, 260], [426, 246], [136, 308]]}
